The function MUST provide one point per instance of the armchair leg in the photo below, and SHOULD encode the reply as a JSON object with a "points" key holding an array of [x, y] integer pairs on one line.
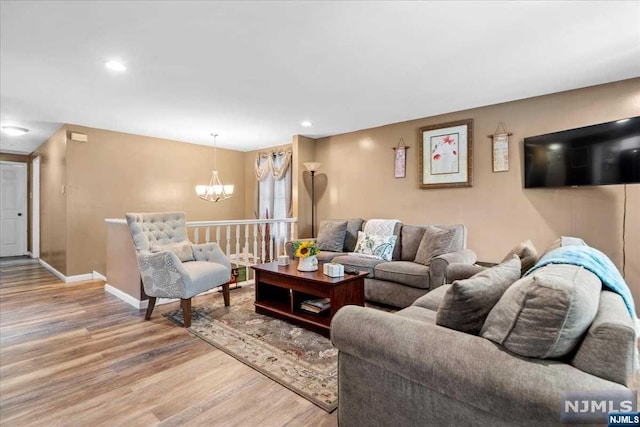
{"points": [[152, 304], [186, 311], [225, 294]]}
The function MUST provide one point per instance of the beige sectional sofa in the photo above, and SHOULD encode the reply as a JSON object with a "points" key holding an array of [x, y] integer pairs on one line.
{"points": [[400, 281]]}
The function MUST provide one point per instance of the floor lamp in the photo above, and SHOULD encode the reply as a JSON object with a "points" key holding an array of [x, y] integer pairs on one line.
{"points": [[313, 167]]}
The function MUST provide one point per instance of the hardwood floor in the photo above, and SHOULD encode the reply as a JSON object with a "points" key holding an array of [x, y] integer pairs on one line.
{"points": [[71, 354]]}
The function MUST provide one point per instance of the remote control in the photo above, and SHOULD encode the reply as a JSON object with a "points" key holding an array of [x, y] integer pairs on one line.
{"points": [[351, 271]]}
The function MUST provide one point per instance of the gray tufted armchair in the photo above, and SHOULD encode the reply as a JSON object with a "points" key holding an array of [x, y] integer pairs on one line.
{"points": [[170, 265]]}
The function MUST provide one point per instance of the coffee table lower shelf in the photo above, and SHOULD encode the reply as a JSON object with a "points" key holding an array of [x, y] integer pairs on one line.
{"points": [[317, 323]]}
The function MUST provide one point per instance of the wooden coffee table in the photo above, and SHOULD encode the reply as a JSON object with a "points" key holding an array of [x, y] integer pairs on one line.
{"points": [[280, 291]]}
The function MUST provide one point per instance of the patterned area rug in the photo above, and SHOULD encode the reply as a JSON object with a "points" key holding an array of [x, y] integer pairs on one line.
{"points": [[301, 360]]}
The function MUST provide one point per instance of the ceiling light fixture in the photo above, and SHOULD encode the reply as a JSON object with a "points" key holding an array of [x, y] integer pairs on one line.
{"points": [[115, 66], [215, 191], [306, 124], [14, 130]]}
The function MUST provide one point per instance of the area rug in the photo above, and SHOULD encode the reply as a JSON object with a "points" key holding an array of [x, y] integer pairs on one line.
{"points": [[301, 360]]}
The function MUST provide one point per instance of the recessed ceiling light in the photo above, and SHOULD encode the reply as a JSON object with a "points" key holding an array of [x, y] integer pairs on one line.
{"points": [[306, 124], [14, 130], [622, 121], [115, 66]]}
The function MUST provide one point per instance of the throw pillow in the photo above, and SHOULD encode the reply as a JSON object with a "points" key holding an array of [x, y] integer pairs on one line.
{"points": [[526, 252], [435, 241], [331, 235], [467, 303], [183, 250], [375, 246], [351, 237], [545, 314]]}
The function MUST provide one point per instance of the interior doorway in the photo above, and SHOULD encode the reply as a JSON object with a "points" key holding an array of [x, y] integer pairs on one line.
{"points": [[35, 207], [13, 209]]}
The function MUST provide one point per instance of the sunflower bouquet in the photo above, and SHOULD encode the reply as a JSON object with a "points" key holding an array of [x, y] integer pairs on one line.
{"points": [[305, 248]]}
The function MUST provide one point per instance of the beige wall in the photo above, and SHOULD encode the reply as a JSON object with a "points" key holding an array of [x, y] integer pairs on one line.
{"points": [[497, 210], [114, 173], [304, 151], [53, 201]]}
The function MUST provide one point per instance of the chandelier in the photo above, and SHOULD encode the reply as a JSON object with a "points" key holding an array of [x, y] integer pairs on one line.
{"points": [[215, 191]]}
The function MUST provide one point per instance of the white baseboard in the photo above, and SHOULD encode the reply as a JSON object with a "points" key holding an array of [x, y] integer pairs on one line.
{"points": [[98, 276], [143, 304], [75, 278], [134, 302], [53, 270]]}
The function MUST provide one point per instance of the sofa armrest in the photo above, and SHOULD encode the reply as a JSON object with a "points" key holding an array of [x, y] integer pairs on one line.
{"points": [[288, 246], [440, 263], [210, 252], [464, 367], [458, 271], [171, 285]]}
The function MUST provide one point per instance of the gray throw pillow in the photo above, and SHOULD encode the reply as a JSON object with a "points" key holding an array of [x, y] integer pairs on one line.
{"points": [[435, 241], [183, 250], [331, 235], [467, 303], [545, 314], [526, 252]]}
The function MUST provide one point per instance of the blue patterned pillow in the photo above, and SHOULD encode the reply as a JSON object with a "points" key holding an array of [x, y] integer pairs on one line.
{"points": [[374, 246]]}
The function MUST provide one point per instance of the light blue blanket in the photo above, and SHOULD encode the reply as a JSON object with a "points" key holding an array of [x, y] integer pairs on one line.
{"points": [[597, 263]]}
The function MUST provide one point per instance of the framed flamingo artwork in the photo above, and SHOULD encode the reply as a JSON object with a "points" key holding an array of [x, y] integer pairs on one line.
{"points": [[446, 155]]}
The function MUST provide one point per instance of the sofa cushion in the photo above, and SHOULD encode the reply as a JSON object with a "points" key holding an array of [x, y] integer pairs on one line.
{"points": [[358, 263], [467, 303], [328, 256], [375, 246], [404, 272], [545, 314], [607, 350], [435, 241], [433, 299], [411, 235], [183, 250], [331, 235], [351, 236], [526, 252], [418, 313]]}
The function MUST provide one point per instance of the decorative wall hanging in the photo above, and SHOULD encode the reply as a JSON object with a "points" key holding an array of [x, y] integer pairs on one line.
{"points": [[400, 164], [446, 155], [500, 149]]}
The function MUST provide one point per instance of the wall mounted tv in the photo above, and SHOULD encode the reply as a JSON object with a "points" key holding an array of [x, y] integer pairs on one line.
{"points": [[608, 153]]}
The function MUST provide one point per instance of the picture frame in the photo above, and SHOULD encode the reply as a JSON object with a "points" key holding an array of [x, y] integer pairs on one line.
{"points": [[500, 152], [400, 160], [446, 155]]}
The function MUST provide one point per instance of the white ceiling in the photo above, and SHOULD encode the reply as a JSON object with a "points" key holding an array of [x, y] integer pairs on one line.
{"points": [[252, 71]]}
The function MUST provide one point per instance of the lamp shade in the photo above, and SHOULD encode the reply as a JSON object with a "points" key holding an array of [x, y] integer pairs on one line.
{"points": [[312, 166]]}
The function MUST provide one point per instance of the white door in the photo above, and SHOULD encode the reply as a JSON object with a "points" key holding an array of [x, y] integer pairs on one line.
{"points": [[13, 208]]}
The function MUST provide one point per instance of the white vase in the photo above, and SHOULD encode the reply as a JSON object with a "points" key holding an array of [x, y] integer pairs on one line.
{"points": [[309, 263]]}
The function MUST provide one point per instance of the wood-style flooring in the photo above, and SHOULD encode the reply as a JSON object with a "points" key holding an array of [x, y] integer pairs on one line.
{"points": [[73, 355]]}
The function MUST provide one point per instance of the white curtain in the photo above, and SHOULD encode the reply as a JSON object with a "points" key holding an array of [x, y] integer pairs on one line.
{"points": [[273, 173]]}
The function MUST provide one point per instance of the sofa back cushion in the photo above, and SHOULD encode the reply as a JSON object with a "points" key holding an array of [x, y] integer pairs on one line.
{"points": [[331, 234], [157, 228], [467, 303], [607, 350], [351, 236], [411, 235], [526, 252], [545, 314], [435, 241]]}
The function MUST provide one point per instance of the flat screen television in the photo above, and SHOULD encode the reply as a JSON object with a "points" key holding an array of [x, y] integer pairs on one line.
{"points": [[608, 153]]}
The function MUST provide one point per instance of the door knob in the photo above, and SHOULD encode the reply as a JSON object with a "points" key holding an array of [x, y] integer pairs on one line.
{"points": [[20, 214]]}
